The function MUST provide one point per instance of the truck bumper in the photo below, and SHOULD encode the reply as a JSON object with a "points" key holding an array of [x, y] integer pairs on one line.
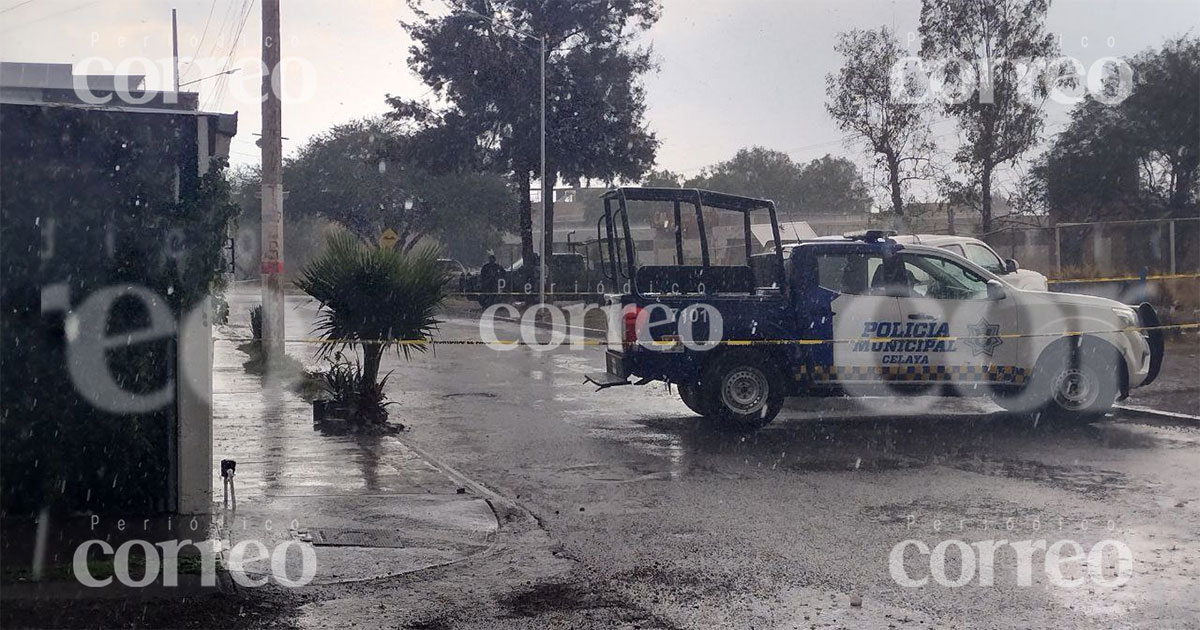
{"points": [[1148, 318], [616, 371]]}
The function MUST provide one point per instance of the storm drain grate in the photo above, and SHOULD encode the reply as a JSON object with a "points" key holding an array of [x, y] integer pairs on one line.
{"points": [[335, 537]]}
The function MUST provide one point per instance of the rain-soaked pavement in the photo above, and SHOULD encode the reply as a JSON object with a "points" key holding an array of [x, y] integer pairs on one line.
{"points": [[619, 509]]}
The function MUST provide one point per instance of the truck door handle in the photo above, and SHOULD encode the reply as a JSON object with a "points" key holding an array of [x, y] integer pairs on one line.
{"points": [[921, 316]]}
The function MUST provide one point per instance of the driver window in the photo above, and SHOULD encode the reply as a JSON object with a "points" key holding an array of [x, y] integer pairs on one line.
{"points": [[985, 258], [943, 279], [849, 273]]}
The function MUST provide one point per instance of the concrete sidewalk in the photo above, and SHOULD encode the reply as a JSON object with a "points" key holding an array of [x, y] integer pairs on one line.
{"points": [[368, 506]]}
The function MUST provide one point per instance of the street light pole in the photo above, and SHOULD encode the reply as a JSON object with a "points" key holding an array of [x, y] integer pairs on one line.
{"points": [[547, 186], [175, 50]]}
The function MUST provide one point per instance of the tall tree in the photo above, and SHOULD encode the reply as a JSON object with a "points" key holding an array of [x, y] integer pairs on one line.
{"points": [[1163, 116], [662, 178], [1090, 172], [482, 61], [870, 98], [1135, 157], [755, 172], [827, 185], [355, 174], [833, 185], [983, 49]]}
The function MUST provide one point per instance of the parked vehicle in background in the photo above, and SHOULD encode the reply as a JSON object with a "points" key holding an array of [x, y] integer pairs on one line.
{"points": [[983, 255], [567, 271], [456, 273]]}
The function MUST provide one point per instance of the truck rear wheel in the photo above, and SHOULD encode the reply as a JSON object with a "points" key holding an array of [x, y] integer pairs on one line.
{"points": [[742, 390], [690, 397]]}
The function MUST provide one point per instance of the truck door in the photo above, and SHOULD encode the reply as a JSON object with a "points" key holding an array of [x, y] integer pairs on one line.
{"points": [[845, 305], [947, 299]]}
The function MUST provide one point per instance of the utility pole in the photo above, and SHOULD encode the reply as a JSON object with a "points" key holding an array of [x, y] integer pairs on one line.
{"points": [[272, 187], [175, 49], [547, 190]]}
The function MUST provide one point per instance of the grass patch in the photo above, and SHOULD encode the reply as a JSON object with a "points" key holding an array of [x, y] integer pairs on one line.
{"points": [[101, 568]]}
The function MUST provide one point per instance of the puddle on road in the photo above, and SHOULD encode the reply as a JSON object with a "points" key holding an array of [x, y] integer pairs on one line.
{"points": [[853, 464], [664, 448], [1090, 482]]}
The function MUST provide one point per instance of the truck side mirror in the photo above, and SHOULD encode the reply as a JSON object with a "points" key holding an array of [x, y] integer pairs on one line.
{"points": [[1011, 266], [995, 290]]}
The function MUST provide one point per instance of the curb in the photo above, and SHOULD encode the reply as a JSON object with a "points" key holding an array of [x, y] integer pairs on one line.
{"points": [[1165, 415]]}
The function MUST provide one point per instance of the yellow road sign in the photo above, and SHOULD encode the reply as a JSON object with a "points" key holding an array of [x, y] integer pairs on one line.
{"points": [[388, 238]]}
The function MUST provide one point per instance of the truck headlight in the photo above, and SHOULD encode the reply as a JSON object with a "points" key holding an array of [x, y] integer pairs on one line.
{"points": [[1126, 316]]}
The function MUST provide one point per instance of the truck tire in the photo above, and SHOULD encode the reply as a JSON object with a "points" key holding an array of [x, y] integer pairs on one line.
{"points": [[742, 390], [1083, 389], [690, 397], [1075, 381]]}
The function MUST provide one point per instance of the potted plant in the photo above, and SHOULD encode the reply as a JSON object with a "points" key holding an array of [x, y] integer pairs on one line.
{"points": [[372, 299]]}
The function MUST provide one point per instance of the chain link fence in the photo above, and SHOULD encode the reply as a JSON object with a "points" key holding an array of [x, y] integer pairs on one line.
{"points": [[1153, 259], [1110, 249]]}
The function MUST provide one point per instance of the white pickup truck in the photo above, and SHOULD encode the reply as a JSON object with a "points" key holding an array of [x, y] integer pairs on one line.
{"points": [[983, 255]]}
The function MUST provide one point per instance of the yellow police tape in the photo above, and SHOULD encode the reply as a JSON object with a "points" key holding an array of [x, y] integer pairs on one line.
{"points": [[1167, 276], [728, 342]]}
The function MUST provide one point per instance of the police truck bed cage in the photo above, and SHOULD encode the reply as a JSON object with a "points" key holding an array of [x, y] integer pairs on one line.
{"points": [[709, 198], [760, 271]]}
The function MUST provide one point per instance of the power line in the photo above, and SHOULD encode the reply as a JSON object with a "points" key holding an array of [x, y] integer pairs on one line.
{"points": [[16, 6], [223, 82], [203, 34], [226, 19], [52, 15]]}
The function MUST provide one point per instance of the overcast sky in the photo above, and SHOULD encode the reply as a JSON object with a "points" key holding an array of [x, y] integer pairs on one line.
{"points": [[733, 73]]}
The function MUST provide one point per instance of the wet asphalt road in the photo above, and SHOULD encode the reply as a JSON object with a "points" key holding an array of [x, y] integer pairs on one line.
{"points": [[643, 517]]}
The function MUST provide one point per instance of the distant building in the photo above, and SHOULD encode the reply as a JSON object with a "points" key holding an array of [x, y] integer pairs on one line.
{"points": [[56, 83]]}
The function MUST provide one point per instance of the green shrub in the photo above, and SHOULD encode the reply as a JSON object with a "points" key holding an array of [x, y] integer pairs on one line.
{"points": [[345, 383], [372, 299]]}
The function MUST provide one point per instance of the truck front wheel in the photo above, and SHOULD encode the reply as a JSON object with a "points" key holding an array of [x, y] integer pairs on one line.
{"points": [[742, 390], [1073, 381], [1083, 390]]}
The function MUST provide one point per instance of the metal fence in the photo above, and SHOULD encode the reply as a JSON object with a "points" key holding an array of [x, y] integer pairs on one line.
{"points": [[1104, 249]]}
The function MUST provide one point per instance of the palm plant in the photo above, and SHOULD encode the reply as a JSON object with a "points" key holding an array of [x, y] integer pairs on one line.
{"points": [[373, 299]]}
